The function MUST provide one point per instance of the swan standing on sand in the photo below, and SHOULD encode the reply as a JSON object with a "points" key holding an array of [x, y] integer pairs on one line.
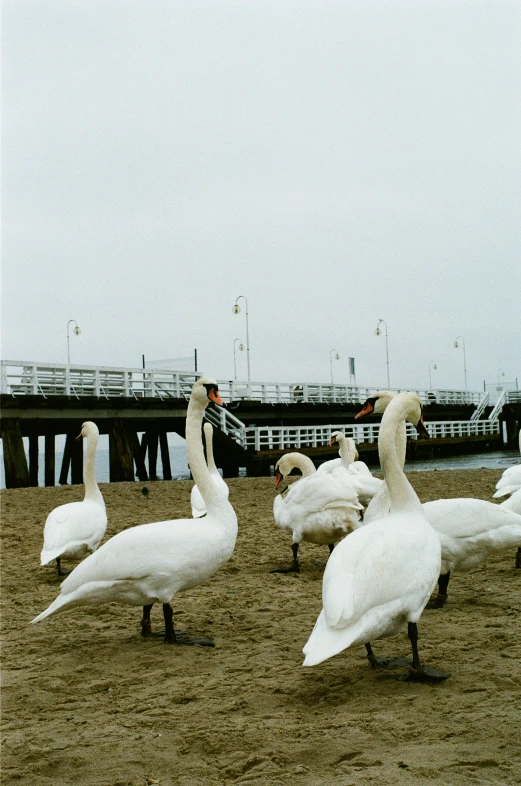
{"points": [[150, 563], [382, 575], [196, 499], [76, 528], [319, 509], [469, 529]]}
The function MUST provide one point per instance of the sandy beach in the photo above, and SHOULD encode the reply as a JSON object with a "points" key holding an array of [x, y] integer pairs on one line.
{"points": [[87, 701]]}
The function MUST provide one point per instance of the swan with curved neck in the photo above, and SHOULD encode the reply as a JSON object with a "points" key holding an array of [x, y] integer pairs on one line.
{"points": [[74, 529], [347, 451], [150, 563], [317, 508], [382, 575], [196, 499], [469, 529]]}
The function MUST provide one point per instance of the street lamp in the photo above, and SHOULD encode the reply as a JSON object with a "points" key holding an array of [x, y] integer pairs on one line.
{"points": [[432, 365], [336, 356], [460, 338], [76, 332], [236, 310], [241, 349], [500, 373], [377, 333]]}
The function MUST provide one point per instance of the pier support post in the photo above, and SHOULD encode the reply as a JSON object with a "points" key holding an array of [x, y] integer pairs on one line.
{"points": [[73, 458], [137, 452], [15, 460], [121, 462], [33, 459], [49, 460], [165, 455], [149, 442]]}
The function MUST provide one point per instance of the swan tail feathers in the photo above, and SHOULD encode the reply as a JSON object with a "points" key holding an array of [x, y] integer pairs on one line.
{"points": [[56, 605], [326, 641]]}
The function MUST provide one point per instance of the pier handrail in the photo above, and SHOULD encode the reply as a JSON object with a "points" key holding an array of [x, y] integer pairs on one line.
{"points": [[296, 437], [500, 403], [481, 407], [29, 378]]}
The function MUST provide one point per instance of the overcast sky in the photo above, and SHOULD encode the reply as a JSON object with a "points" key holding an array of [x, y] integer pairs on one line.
{"points": [[335, 162]]}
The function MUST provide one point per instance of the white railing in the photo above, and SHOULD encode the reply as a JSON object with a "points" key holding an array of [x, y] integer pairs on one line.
{"points": [[23, 378], [481, 407], [500, 403], [224, 420], [20, 378], [296, 437], [514, 397]]}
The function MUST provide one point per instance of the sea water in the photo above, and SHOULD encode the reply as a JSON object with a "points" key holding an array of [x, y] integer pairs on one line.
{"points": [[495, 459]]}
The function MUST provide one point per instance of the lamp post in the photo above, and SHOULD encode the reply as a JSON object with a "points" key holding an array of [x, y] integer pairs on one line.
{"points": [[76, 332], [241, 349], [432, 365], [236, 310], [336, 356], [500, 373], [377, 333], [460, 338]]}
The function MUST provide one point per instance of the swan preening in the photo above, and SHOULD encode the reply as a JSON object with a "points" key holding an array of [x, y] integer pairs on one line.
{"points": [[381, 576], [469, 529], [74, 529], [196, 499], [150, 563], [318, 508]]}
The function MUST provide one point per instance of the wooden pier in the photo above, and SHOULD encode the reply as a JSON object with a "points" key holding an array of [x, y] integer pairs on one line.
{"points": [[139, 411]]}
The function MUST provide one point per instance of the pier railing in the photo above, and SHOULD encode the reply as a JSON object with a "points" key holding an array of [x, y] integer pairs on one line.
{"points": [[288, 438], [20, 378]]}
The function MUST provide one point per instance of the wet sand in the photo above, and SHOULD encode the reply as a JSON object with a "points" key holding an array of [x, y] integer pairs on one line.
{"points": [[87, 701]]}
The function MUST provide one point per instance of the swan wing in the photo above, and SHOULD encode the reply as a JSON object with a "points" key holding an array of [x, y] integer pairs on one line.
{"points": [[72, 525], [467, 518]]}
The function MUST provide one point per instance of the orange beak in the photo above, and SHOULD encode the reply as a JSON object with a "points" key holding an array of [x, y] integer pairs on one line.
{"points": [[214, 396], [368, 408], [278, 479], [333, 442]]}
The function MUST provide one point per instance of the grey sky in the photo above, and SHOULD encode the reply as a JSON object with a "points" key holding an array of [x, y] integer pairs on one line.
{"points": [[335, 162]]}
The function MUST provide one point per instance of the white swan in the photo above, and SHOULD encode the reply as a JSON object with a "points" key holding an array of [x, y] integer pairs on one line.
{"points": [[319, 509], [510, 480], [381, 576], [76, 528], [196, 499], [359, 476], [469, 529], [348, 456], [150, 563]]}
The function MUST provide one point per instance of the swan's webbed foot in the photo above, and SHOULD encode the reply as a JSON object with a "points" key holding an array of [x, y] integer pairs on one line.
{"points": [[425, 674], [518, 558], [294, 567], [385, 663], [438, 602], [419, 673], [179, 637]]}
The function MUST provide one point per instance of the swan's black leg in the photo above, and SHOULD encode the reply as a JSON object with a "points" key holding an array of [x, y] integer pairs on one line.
{"points": [[179, 637], [418, 672], [294, 567], [60, 571], [168, 614], [384, 663], [439, 601], [518, 558], [146, 627]]}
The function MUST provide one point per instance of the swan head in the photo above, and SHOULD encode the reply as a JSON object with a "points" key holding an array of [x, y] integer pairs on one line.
{"points": [[285, 465], [411, 401], [206, 389], [88, 429], [376, 404], [335, 439]]}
